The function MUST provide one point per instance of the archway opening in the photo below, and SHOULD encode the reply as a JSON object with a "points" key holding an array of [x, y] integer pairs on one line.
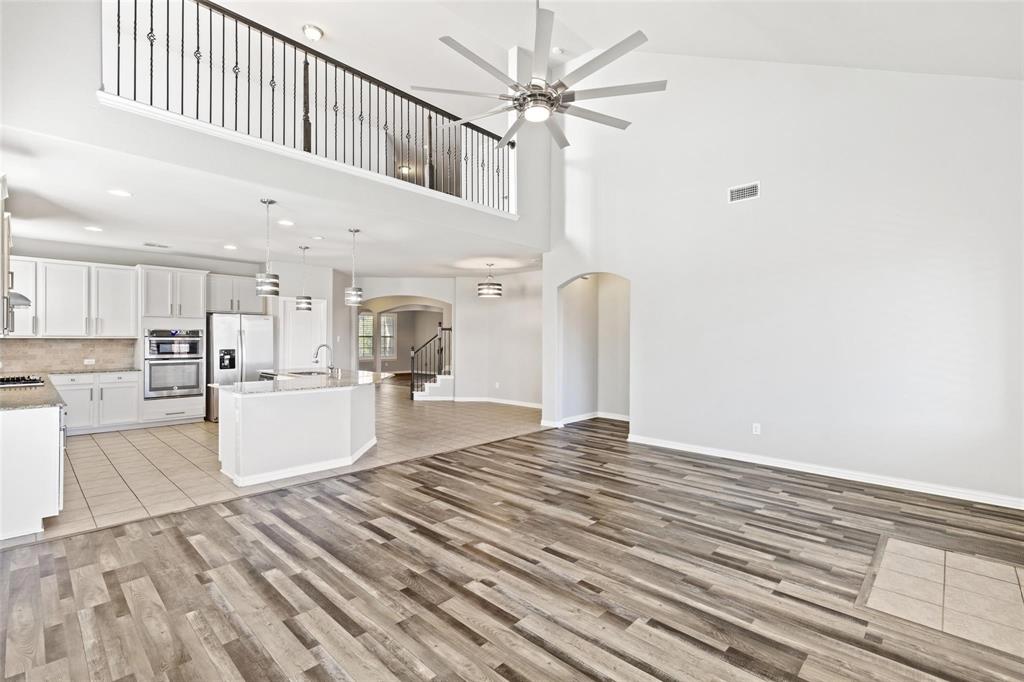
{"points": [[388, 327], [594, 347]]}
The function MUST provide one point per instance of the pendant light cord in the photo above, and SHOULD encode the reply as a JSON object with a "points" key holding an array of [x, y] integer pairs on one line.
{"points": [[268, 238]]}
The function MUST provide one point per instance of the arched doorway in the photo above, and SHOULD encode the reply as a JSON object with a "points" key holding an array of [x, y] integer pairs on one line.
{"points": [[594, 347], [388, 326]]}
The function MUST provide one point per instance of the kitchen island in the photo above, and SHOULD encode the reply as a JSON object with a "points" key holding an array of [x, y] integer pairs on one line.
{"points": [[295, 424]]}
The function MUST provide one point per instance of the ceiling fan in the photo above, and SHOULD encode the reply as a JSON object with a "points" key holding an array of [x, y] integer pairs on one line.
{"points": [[537, 100]]}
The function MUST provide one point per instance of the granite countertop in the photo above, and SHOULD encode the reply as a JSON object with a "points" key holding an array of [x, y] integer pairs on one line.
{"points": [[26, 397], [287, 381], [90, 370]]}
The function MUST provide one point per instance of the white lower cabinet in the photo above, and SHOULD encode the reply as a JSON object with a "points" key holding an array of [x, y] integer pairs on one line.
{"points": [[101, 399], [164, 409], [31, 458]]}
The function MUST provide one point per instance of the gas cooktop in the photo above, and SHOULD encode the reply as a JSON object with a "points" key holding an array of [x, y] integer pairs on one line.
{"points": [[20, 381]]}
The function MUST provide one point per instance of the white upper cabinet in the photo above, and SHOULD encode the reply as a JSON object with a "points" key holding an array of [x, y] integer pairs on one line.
{"points": [[25, 320], [115, 307], [157, 292], [232, 294], [167, 292], [63, 290], [246, 298], [220, 293], [190, 293]]}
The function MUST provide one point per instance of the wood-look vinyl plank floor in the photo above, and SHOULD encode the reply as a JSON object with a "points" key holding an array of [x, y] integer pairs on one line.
{"points": [[565, 554]]}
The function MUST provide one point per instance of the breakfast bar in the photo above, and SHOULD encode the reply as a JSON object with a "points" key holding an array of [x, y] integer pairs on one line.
{"points": [[295, 424]]}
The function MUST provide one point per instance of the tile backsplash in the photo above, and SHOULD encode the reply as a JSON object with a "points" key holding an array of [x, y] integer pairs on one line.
{"points": [[52, 355]]}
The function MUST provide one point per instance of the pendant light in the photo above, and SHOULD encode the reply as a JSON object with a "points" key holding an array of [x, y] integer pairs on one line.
{"points": [[489, 288], [267, 283], [353, 294], [303, 302]]}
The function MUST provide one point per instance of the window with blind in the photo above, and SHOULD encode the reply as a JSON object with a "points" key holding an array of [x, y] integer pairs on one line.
{"points": [[388, 332], [366, 336]]}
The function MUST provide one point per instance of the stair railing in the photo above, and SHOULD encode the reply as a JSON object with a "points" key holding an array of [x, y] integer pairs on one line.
{"points": [[432, 359]]}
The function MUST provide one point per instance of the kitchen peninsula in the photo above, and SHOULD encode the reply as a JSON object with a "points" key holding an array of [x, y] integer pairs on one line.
{"points": [[295, 424]]}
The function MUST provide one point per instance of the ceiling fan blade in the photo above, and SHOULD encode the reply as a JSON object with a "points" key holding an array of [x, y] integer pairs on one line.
{"points": [[481, 62], [511, 131], [596, 117], [614, 91], [477, 117], [602, 60], [556, 133], [542, 43], [468, 93]]}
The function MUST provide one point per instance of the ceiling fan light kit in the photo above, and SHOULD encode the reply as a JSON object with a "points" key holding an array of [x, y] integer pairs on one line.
{"points": [[540, 99]]}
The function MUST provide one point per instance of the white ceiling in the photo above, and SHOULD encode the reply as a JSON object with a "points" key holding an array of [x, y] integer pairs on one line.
{"points": [[397, 41]]}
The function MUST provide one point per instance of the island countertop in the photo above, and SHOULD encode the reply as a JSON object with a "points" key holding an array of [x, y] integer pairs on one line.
{"points": [[288, 381], [28, 397]]}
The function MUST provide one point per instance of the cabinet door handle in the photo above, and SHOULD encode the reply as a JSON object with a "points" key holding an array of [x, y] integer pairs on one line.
{"points": [[97, 332], [87, 326], [90, 395], [179, 310], [101, 393], [168, 414], [34, 320]]}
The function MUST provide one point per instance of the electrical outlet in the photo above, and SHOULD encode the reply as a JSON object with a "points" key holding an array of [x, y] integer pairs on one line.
{"points": [[497, 384], [89, 361], [755, 429]]}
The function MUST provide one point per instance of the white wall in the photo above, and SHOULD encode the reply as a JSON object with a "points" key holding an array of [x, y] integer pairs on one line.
{"points": [[579, 350], [342, 322], [498, 341], [866, 310], [613, 345]]}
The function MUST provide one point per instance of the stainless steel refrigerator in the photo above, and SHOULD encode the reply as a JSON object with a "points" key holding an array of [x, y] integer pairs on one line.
{"points": [[238, 347]]}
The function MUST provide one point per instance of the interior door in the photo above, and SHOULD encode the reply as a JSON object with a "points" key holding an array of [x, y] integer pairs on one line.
{"points": [[189, 290], [245, 296], [25, 321], [157, 292], [64, 299], [115, 306]]}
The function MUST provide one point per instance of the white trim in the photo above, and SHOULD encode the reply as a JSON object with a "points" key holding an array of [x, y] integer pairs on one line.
{"points": [[422, 395], [551, 424], [587, 415], [138, 108], [255, 479], [86, 430], [500, 401], [847, 474]]}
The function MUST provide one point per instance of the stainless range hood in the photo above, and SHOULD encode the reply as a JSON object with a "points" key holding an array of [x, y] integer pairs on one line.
{"points": [[11, 298]]}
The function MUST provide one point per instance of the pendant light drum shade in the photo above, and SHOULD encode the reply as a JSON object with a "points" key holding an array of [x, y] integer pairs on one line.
{"points": [[267, 283], [488, 288], [354, 294], [303, 302]]}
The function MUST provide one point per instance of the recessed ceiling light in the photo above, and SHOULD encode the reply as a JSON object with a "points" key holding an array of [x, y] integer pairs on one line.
{"points": [[404, 170], [119, 193], [92, 228], [230, 247], [313, 33], [557, 50], [318, 238], [285, 223]]}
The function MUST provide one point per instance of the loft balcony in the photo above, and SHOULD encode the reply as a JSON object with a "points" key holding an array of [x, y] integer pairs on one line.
{"points": [[195, 63]]}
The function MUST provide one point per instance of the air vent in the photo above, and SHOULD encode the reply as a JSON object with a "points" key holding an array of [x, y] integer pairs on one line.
{"points": [[744, 192], [156, 246]]}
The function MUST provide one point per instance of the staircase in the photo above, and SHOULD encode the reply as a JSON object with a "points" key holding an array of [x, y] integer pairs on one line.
{"points": [[430, 368]]}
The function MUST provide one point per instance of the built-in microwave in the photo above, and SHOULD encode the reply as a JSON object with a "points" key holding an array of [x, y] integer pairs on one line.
{"points": [[174, 344]]}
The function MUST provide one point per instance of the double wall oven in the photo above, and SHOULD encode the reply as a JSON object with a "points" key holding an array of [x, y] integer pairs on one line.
{"points": [[174, 365]]}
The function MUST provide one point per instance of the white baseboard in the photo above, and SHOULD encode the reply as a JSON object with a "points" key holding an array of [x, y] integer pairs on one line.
{"points": [[500, 401], [280, 474], [86, 430], [424, 396], [968, 494], [583, 417]]}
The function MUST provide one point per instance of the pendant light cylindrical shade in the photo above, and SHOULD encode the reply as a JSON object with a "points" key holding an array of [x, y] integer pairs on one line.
{"points": [[304, 302], [353, 294], [488, 288], [267, 283]]}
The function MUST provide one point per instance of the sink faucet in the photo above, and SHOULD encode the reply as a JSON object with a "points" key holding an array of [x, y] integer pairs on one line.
{"points": [[330, 356]]}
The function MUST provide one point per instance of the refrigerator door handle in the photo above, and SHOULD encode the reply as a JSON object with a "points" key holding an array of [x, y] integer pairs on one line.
{"points": [[241, 352]]}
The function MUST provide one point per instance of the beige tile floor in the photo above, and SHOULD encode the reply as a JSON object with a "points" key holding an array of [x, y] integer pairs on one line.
{"points": [[121, 476], [968, 596]]}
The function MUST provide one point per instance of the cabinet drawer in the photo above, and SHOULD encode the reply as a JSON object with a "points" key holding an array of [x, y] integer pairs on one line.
{"points": [[119, 377], [173, 408], [72, 379]]}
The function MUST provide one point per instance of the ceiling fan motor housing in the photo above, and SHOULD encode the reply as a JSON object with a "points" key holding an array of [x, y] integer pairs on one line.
{"points": [[539, 96]]}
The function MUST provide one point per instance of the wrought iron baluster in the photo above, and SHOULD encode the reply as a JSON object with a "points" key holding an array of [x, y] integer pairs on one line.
{"points": [[223, 56], [209, 116], [336, 113], [135, 49], [273, 85], [236, 71], [198, 54], [151, 36], [119, 47], [167, 58]]}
